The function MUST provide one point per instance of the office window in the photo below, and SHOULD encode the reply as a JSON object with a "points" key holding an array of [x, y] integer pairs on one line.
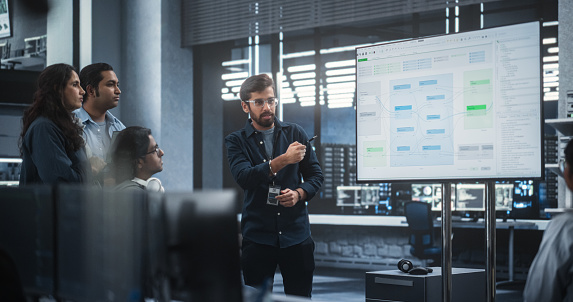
{"points": [[315, 68]]}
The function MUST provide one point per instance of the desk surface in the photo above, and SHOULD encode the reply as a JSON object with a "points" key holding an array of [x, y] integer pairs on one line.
{"points": [[498, 225], [400, 221]]}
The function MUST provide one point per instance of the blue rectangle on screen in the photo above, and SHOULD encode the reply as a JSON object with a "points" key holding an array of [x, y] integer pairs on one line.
{"points": [[403, 148], [433, 117], [477, 57], [436, 97], [403, 86], [405, 129], [436, 131], [405, 107], [428, 82], [432, 148]]}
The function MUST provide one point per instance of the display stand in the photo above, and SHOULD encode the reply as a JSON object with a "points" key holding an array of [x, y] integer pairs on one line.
{"points": [[490, 240], [446, 242]]}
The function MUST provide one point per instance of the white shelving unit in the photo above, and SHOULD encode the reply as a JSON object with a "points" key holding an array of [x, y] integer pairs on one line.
{"points": [[564, 127]]}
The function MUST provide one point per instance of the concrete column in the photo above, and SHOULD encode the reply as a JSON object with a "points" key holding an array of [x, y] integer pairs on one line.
{"points": [[141, 64], [565, 40], [60, 33], [104, 27], [176, 101], [85, 33]]}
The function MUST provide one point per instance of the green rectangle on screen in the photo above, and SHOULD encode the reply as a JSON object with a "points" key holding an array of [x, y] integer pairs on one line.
{"points": [[375, 149], [476, 107]]}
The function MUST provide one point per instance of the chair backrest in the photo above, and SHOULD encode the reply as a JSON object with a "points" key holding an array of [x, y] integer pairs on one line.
{"points": [[420, 222]]}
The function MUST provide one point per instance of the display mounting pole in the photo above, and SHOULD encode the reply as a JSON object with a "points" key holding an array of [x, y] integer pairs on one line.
{"points": [[446, 242], [490, 240]]}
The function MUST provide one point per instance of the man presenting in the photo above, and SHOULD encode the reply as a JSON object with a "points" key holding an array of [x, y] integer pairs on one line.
{"points": [[102, 93], [269, 159]]}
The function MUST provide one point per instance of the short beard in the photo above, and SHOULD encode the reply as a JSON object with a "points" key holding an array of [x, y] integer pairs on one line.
{"points": [[264, 123]]}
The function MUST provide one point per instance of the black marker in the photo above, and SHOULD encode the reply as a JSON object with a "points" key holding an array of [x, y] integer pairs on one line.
{"points": [[311, 139]]}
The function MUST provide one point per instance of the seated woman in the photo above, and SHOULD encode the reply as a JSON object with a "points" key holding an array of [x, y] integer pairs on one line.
{"points": [[135, 157], [51, 143]]}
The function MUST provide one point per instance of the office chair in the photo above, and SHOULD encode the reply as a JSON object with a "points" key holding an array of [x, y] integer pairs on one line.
{"points": [[421, 225]]}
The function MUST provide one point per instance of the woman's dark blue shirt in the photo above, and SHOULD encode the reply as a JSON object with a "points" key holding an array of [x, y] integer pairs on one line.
{"points": [[45, 159]]}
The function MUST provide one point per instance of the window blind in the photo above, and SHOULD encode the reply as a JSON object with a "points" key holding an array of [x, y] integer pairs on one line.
{"points": [[208, 21]]}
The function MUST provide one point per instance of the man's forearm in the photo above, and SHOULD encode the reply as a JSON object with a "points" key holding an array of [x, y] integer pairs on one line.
{"points": [[278, 163]]}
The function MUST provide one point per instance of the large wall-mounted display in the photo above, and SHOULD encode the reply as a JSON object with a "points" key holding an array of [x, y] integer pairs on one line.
{"points": [[5, 28], [452, 107]]}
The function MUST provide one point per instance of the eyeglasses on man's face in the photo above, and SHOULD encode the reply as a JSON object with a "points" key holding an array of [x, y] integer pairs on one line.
{"points": [[156, 150], [272, 102]]}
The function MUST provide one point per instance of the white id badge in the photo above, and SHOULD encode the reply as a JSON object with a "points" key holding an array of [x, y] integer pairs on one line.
{"points": [[273, 192]]}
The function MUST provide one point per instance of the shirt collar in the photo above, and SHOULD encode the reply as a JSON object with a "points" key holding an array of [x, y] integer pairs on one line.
{"points": [[250, 130], [85, 117], [140, 181]]}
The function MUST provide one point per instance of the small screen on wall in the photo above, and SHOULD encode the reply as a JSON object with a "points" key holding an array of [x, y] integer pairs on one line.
{"points": [[5, 30]]}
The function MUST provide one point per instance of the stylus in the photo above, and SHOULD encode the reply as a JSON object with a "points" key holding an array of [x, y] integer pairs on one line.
{"points": [[311, 139]]}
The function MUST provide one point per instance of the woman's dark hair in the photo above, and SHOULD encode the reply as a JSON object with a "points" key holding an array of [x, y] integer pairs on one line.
{"points": [[255, 83], [49, 102], [129, 146]]}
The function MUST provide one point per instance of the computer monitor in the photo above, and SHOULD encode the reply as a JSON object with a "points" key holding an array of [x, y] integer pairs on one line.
{"points": [[432, 194], [102, 244], [27, 237], [459, 106], [202, 240], [525, 199], [133, 245], [470, 197], [423, 192], [384, 206], [348, 196], [504, 196], [370, 196], [524, 188], [6, 28]]}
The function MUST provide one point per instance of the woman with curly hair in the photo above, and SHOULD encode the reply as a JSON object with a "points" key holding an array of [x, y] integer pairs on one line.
{"points": [[51, 142]]}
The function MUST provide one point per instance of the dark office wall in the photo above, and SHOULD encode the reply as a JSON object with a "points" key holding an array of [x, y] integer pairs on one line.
{"points": [[26, 22], [29, 19]]}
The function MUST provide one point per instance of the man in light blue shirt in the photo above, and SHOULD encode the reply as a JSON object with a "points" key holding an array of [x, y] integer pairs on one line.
{"points": [[102, 93]]}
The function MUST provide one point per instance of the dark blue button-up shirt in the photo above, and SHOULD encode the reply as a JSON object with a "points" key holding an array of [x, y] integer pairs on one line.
{"points": [[268, 224], [45, 158]]}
